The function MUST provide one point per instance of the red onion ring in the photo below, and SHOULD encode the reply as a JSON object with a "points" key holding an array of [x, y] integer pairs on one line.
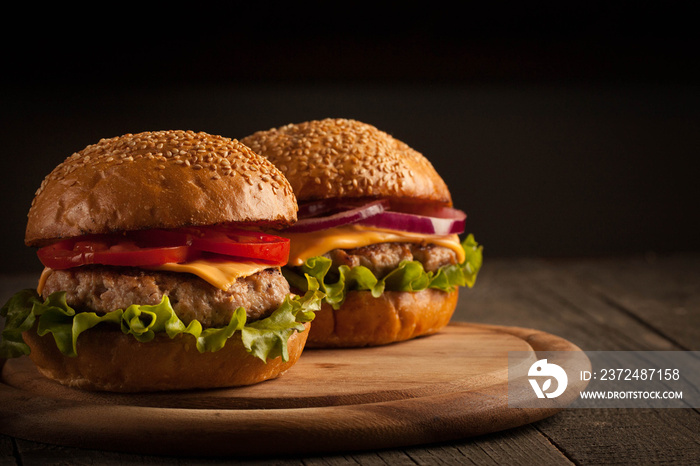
{"points": [[316, 208], [424, 219], [418, 223], [327, 207], [344, 217]]}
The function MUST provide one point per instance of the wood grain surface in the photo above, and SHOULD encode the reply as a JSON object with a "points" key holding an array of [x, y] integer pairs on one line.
{"points": [[649, 302], [449, 385]]}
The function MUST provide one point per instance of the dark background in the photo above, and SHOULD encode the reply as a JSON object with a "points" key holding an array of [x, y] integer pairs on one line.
{"points": [[562, 130]]}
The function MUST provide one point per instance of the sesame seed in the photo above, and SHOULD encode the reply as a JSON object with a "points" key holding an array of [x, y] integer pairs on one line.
{"points": [[161, 149], [352, 158]]}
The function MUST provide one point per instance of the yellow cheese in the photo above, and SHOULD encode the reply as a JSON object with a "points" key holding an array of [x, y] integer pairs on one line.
{"points": [[42, 279], [316, 243], [221, 274]]}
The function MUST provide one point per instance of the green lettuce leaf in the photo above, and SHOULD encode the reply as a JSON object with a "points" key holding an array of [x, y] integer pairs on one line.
{"points": [[407, 276], [265, 338], [19, 318]]}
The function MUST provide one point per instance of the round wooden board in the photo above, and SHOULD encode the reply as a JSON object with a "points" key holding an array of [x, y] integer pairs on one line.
{"points": [[436, 388]]}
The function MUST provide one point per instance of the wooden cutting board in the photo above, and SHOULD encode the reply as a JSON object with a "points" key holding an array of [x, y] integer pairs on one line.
{"points": [[441, 387]]}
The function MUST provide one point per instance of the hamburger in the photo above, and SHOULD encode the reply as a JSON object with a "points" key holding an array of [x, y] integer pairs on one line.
{"points": [[377, 232], [161, 268]]}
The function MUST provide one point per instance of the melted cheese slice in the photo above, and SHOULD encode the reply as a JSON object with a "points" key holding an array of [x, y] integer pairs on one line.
{"points": [[316, 243], [42, 279], [221, 274]]}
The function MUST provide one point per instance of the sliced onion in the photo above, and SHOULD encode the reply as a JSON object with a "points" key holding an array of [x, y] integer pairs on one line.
{"points": [[344, 217], [327, 207], [428, 210], [316, 208], [423, 224]]}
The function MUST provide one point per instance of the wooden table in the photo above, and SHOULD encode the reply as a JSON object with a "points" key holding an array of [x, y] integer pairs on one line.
{"points": [[631, 303]]}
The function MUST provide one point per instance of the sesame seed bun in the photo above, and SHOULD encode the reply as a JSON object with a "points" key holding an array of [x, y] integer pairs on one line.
{"points": [[341, 158], [394, 316], [161, 179]]}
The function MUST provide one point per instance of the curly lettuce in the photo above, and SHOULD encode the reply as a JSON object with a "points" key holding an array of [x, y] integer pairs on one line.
{"points": [[408, 276], [265, 338]]}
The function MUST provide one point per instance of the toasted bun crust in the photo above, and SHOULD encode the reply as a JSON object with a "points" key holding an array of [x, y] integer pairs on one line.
{"points": [[161, 179], [346, 158], [395, 316], [109, 360]]}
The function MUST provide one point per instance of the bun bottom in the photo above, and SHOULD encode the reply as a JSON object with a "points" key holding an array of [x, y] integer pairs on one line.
{"points": [[363, 320], [109, 360]]}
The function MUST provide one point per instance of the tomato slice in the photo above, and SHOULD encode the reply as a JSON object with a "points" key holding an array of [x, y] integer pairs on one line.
{"points": [[150, 248], [133, 250], [110, 251], [240, 243]]}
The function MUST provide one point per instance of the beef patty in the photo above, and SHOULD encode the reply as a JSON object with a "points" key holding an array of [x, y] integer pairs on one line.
{"points": [[382, 258], [103, 289]]}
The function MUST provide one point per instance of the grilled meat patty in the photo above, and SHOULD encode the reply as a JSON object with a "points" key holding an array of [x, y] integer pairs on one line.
{"points": [[102, 289], [382, 258]]}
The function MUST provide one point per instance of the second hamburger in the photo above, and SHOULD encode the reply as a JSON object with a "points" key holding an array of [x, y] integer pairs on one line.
{"points": [[377, 230]]}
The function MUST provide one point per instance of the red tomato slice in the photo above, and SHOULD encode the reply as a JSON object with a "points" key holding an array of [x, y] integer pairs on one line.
{"points": [[241, 243], [111, 250], [150, 248]]}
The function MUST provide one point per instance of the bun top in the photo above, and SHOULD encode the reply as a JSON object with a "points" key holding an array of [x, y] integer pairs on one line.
{"points": [[334, 158], [161, 179]]}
